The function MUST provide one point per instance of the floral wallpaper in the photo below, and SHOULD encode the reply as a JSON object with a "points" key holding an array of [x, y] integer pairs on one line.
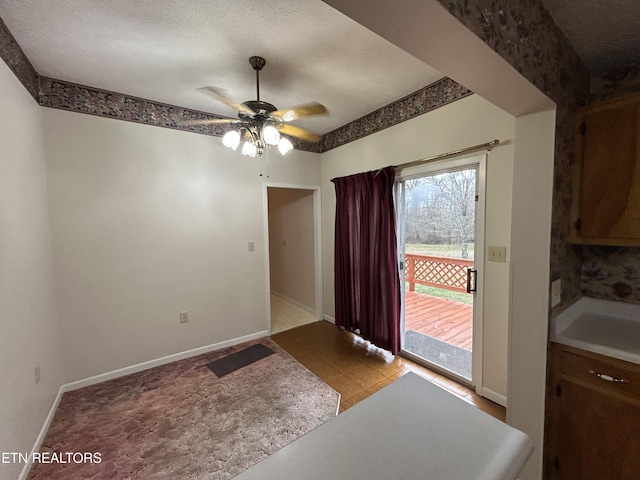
{"points": [[526, 36], [625, 79], [612, 273]]}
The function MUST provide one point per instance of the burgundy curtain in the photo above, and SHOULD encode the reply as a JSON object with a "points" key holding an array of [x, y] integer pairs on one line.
{"points": [[367, 285]]}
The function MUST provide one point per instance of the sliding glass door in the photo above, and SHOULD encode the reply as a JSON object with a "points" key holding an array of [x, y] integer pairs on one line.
{"points": [[438, 232]]}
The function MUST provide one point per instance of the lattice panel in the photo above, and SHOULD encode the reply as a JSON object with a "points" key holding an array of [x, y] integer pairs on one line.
{"points": [[440, 273], [448, 273]]}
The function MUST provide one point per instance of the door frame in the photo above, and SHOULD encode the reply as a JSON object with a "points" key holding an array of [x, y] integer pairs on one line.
{"points": [[317, 245], [456, 163]]}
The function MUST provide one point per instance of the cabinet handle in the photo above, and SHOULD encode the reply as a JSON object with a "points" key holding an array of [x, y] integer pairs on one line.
{"points": [[608, 378]]}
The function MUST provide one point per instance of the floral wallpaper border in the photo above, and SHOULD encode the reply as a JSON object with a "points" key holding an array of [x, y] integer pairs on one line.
{"points": [[94, 101], [18, 62], [55, 93], [435, 95]]}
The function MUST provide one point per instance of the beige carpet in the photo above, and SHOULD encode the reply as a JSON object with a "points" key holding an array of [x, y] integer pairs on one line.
{"points": [[180, 421]]}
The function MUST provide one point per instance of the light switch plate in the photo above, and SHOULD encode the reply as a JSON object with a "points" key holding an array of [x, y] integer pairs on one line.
{"points": [[497, 254]]}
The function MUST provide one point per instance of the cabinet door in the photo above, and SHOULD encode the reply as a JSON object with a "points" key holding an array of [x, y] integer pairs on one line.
{"points": [[610, 198], [598, 435]]}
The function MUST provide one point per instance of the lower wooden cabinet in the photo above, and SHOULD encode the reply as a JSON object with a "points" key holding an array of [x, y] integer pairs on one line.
{"points": [[593, 417]]}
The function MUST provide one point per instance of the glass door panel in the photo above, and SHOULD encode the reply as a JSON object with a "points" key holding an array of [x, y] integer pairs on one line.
{"points": [[437, 221]]}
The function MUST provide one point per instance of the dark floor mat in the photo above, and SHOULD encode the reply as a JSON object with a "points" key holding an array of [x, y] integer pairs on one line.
{"points": [[235, 361], [440, 353]]}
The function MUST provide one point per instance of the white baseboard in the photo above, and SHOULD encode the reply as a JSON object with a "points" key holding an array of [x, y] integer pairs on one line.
{"points": [[494, 397], [295, 302], [329, 318], [160, 361], [40, 438], [68, 387]]}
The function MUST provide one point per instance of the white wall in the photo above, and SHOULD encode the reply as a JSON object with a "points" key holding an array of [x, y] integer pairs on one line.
{"points": [[29, 333], [467, 122], [291, 244], [531, 238], [148, 222]]}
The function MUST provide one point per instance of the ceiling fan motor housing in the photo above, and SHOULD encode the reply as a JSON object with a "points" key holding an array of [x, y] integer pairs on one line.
{"points": [[261, 109], [256, 116]]}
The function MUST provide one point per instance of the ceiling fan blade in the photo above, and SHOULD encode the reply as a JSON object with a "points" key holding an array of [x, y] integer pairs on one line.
{"points": [[300, 111], [298, 132], [209, 121], [218, 94]]}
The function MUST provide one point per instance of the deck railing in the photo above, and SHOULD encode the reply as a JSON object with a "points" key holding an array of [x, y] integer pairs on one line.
{"points": [[439, 272]]}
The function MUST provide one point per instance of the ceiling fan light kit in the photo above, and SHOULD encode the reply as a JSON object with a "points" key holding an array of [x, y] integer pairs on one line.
{"points": [[261, 124]]}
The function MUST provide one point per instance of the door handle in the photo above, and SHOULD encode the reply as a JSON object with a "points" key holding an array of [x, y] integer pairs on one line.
{"points": [[471, 273]]}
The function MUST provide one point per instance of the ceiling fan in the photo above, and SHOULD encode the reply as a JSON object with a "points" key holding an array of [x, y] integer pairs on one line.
{"points": [[261, 123]]}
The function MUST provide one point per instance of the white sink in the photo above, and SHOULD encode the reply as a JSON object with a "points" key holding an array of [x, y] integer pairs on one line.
{"points": [[600, 326]]}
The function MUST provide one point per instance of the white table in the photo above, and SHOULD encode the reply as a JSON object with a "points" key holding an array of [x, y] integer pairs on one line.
{"points": [[409, 430]]}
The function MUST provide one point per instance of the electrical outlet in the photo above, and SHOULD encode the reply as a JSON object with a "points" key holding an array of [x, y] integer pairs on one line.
{"points": [[556, 292], [497, 254], [37, 372], [251, 246], [184, 317]]}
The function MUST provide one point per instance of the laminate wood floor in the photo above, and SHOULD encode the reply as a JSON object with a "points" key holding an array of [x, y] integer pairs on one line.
{"points": [[356, 369]]}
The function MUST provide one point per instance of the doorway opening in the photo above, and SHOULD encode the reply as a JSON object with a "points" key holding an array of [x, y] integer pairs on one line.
{"points": [[292, 221], [439, 230]]}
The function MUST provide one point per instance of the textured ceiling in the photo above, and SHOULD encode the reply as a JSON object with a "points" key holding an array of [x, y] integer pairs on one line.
{"points": [[163, 50], [604, 34]]}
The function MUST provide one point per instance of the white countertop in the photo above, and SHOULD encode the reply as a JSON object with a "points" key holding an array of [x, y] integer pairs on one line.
{"points": [[409, 430], [600, 326]]}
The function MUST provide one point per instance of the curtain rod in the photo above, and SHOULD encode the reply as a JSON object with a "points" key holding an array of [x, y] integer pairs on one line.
{"points": [[488, 146]]}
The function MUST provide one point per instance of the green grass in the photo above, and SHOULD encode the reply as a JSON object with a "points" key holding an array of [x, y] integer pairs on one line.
{"points": [[451, 251], [439, 292]]}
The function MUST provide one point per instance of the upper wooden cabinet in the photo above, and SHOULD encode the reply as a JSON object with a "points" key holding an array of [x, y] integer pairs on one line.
{"points": [[606, 174]]}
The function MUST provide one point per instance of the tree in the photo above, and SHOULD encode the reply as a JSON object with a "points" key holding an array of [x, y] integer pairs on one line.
{"points": [[441, 209]]}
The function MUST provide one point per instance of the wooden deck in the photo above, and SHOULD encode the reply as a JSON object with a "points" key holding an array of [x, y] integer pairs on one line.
{"points": [[446, 320]]}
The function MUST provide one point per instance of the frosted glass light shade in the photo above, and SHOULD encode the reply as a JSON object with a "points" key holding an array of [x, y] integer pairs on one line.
{"points": [[249, 149], [284, 145], [231, 139], [271, 135]]}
